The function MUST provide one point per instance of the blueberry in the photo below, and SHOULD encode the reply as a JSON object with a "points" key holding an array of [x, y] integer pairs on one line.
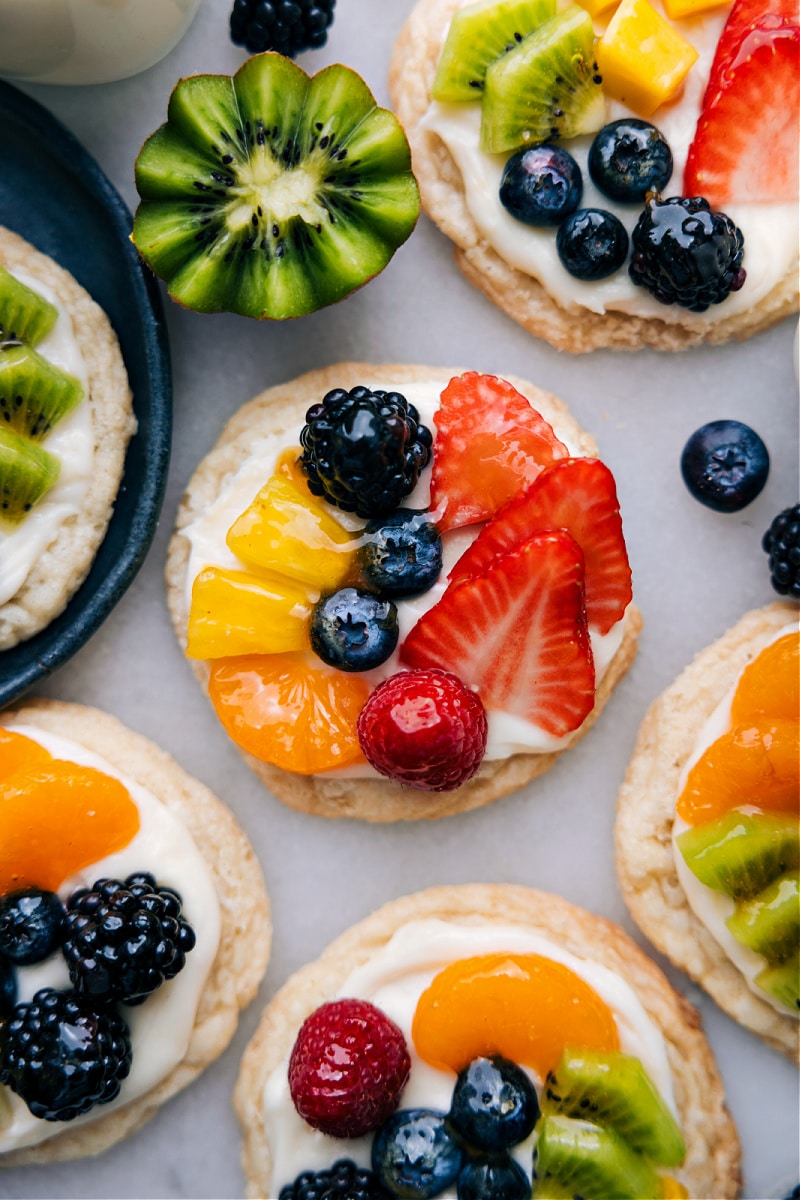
{"points": [[493, 1179], [725, 465], [414, 1155], [592, 243], [31, 925], [628, 159], [494, 1104], [402, 555], [8, 988], [541, 185], [353, 630]]}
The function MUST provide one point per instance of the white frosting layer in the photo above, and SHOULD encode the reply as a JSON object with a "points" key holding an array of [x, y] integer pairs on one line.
{"points": [[507, 734], [71, 441], [393, 979], [770, 230], [710, 906], [162, 1026]]}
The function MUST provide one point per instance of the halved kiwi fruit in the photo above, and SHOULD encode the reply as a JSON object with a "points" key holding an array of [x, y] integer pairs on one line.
{"points": [[24, 314], [271, 194], [547, 88], [769, 923], [782, 982], [614, 1090], [477, 35], [34, 394], [740, 853], [595, 1163], [27, 472]]}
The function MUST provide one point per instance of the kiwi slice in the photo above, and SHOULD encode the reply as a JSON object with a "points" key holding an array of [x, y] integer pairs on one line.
{"points": [[547, 88], [596, 1163], [740, 853], [271, 194], [478, 34], [27, 471], [34, 394], [614, 1090], [782, 982], [769, 923], [24, 314]]}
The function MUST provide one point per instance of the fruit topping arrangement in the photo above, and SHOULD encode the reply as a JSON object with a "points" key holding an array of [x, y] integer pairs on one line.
{"points": [[67, 1050], [288, 26], [272, 194], [316, 659], [741, 801]]}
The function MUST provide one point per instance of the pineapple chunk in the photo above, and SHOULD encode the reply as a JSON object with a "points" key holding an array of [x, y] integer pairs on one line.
{"points": [[642, 59], [677, 10], [233, 612], [598, 8]]}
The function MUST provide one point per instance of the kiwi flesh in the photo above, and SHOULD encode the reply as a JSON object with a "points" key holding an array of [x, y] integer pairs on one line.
{"points": [[27, 472], [477, 35], [34, 394], [782, 982], [271, 194], [546, 88], [596, 1163], [769, 923], [24, 314], [612, 1089], [741, 853]]}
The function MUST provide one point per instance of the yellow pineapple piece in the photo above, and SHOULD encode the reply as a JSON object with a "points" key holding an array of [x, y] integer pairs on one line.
{"points": [[676, 10], [234, 612], [288, 530], [598, 8], [643, 60]]}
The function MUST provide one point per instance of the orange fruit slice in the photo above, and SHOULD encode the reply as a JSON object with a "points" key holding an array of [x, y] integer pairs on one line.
{"points": [[18, 752], [756, 764], [771, 683]]}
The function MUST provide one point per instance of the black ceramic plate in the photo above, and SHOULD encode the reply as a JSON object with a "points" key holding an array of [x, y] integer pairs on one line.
{"points": [[55, 195]]}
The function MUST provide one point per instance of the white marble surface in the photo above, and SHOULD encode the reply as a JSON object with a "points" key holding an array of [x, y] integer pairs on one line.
{"points": [[695, 573]]}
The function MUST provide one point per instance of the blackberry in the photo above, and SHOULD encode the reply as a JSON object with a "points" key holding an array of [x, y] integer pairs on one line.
{"points": [[684, 253], [124, 940], [363, 451], [344, 1181], [288, 26], [782, 543], [8, 988], [62, 1055]]}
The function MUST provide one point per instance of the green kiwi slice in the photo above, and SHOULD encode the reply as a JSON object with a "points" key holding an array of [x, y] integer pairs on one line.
{"points": [[782, 982], [614, 1090], [740, 853], [24, 314], [27, 472], [547, 88], [769, 923], [34, 394], [596, 1163], [478, 34], [271, 194]]}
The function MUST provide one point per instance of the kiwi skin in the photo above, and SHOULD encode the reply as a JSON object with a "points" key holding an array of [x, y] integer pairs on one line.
{"points": [[740, 853]]}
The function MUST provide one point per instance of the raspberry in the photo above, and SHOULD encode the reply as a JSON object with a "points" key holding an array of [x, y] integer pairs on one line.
{"points": [[348, 1067], [424, 728]]}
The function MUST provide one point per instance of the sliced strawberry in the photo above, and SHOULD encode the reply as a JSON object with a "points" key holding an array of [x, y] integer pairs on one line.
{"points": [[517, 634], [490, 443], [579, 495], [745, 147]]}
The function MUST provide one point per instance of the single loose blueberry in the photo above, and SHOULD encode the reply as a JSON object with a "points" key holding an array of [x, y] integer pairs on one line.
{"points": [[8, 988], [725, 465], [402, 555], [353, 630], [414, 1155], [31, 925], [494, 1104], [541, 185], [628, 159], [493, 1179], [592, 243]]}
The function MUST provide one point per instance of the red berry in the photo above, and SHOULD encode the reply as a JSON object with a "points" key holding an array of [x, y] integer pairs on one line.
{"points": [[424, 728], [348, 1067]]}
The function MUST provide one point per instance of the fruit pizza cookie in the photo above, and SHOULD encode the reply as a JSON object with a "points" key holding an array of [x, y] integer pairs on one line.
{"points": [[65, 422], [475, 1041], [707, 824], [406, 590], [620, 173], [134, 926]]}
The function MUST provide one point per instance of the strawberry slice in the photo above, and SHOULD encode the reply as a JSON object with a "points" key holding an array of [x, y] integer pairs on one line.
{"points": [[490, 443], [579, 495], [517, 634], [745, 147]]}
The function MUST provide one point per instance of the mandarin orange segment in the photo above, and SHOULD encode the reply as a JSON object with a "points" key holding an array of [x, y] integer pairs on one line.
{"points": [[285, 711], [18, 752], [771, 683], [523, 1006], [56, 820], [757, 765]]}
